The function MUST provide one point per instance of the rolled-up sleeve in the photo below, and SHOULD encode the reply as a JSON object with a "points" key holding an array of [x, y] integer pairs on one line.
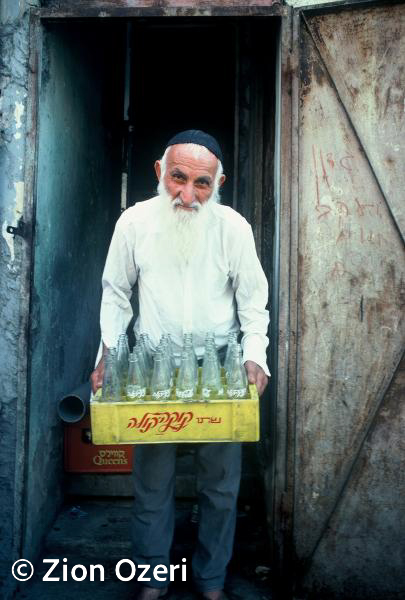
{"points": [[251, 292], [119, 277]]}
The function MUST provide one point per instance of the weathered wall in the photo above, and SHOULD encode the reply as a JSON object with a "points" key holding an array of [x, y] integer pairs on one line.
{"points": [[13, 279]]}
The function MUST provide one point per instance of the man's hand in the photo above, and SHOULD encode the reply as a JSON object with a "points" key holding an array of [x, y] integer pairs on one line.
{"points": [[255, 374], [96, 377]]}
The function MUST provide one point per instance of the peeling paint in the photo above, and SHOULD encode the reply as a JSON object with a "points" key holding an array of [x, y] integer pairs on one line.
{"points": [[14, 281], [19, 204], [9, 239], [19, 198], [18, 113]]}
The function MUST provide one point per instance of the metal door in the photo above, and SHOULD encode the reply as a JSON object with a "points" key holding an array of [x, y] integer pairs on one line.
{"points": [[345, 492]]}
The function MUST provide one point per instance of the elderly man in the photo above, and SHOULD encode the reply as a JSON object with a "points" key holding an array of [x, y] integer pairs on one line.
{"points": [[197, 271]]}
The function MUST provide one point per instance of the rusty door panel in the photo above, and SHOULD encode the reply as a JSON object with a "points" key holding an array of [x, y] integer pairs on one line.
{"points": [[365, 56], [367, 528], [351, 288]]}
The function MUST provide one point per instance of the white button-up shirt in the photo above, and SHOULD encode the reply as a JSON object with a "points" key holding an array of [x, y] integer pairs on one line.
{"points": [[221, 288]]}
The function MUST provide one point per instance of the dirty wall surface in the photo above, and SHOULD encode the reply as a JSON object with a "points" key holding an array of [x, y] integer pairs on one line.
{"points": [[14, 278]]}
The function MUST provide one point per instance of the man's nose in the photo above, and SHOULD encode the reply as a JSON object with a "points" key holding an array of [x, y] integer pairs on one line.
{"points": [[187, 194]]}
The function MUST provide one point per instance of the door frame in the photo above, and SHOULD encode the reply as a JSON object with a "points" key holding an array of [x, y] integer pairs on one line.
{"points": [[279, 472]]}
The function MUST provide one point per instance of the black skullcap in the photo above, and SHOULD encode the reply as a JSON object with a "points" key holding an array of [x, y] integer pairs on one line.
{"points": [[195, 136]]}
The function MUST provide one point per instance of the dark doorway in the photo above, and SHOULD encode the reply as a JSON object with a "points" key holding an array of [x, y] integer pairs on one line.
{"points": [[182, 77]]}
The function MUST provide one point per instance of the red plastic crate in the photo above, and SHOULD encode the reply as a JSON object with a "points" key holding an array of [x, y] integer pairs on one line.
{"points": [[81, 456]]}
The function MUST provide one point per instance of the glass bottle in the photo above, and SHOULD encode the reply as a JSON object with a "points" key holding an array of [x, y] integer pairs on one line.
{"points": [[160, 383], [138, 352], [236, 379], [209, 342], [244, 374], [169, 346], [164, 354], [210, 348], [146, 347], [189, 348], [209, 337], [232, 341], [188, 337], [186, 380], [136, 386], [111, 387], [211, 386], [122, 360], [164, 348], [146, 340]]}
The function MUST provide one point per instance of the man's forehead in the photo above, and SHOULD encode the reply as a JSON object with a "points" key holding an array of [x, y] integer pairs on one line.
{"points": [[192, 156]]}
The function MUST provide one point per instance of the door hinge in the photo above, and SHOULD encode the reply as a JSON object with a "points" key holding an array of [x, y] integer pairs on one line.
{"points": [[19, 230]]}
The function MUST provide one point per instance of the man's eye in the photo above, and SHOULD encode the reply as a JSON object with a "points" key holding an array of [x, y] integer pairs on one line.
{"points": [[178, 177]]}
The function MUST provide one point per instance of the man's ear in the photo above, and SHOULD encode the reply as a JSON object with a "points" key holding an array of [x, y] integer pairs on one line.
{"points": [[158, 169], [221, 180]]}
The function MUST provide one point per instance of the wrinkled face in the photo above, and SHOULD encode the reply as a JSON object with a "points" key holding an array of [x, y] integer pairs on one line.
{"points": [[190, 175]]}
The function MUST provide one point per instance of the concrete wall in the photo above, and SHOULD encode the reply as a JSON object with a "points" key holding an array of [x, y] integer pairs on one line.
{"points": [[13, 278]]}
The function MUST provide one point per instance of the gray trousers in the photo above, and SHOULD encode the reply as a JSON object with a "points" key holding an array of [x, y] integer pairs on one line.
{"points": [[218, 479]]}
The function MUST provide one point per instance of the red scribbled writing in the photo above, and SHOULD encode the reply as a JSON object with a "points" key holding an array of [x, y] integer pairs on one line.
{"points": [[331, 203]]}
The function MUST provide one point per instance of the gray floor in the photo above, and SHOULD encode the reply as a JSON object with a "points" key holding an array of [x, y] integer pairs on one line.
{"points": [[96, 531]]}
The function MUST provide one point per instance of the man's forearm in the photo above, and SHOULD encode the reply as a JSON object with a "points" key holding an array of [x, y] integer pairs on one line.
{"points": [[96, 377]]}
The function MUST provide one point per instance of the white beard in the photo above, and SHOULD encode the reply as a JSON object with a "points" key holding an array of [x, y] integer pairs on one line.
{"points": [[185, 230]]}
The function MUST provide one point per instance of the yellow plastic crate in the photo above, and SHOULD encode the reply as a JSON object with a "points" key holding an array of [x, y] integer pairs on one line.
{"points": [[218, 420]]}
